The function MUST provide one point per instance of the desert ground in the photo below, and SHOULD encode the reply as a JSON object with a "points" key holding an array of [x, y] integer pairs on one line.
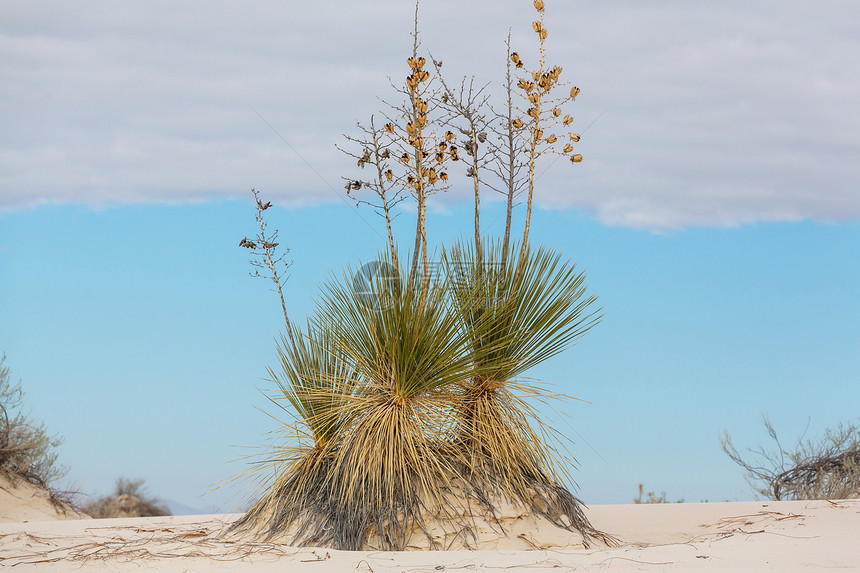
{"points": [[730, 536]]}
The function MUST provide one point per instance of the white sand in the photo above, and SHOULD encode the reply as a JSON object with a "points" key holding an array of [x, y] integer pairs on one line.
{"points": [[742, 536]]}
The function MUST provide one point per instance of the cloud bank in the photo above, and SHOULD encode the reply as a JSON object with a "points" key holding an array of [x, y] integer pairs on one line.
{"points": [[706, 114]]}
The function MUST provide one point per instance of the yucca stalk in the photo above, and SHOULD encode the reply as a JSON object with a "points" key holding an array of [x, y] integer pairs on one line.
{"points": [[314, 381], [516, 315], [408, 351]]}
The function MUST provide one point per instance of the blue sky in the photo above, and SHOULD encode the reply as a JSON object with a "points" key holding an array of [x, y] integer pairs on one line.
{"points": [[716, 213]]}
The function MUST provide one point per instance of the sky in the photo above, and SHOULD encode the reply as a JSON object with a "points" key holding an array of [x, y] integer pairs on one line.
{"points": [[717, 213]]}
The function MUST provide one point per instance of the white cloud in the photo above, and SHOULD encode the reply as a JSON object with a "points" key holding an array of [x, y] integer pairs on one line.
{"points": [[713, 114]]}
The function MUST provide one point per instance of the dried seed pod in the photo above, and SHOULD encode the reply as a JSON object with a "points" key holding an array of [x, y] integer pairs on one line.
{"points": [[543, 33], [534, 97], [567, 120], [539, 5], [576, 158], [421, 61], [519, 64], [404, 158], [449, 135], [515, 58], [385, 154], [537, 27], [443, 176], [532, 112], [482, 137], [389, 127], [443, 146], [551, 139], [556, 112], [574, 137], [574, 91], [389, 175], [568, 148], [517, 123], [440, 157]]}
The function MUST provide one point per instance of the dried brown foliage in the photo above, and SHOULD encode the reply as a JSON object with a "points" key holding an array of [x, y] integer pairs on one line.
{"points": [[825, 469]]}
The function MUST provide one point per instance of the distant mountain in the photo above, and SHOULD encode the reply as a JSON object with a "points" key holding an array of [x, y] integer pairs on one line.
{"points": [[177, 508]]}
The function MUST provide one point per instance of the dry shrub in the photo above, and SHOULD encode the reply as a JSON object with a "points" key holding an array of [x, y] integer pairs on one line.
{"points": [[27, 451], [824, 469], [129, 499]]}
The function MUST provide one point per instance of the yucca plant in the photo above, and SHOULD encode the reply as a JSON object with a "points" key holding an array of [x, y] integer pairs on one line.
{"points": [[408, 352], [408, 388], [516, 315]]}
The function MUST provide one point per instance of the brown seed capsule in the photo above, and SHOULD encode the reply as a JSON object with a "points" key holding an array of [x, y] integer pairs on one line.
{"points": [[539, 5], [567, 120], [404, 158], [412, 63], [519, 64], [443, 146], [532, 112], [534, 97], [556, 112], [574, 137], [551, 139], [576, 158], [440, 157], [449, 135], [537, 27], [543, 33], [523, 85], [420, 63], [568, 148], [389, 175], [574, 91], [389, 127], [517, 123], [515, 58], [443, 176]]}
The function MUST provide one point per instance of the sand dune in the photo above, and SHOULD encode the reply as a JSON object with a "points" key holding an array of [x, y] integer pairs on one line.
{"points": [[741, 536], [21, 501]]}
